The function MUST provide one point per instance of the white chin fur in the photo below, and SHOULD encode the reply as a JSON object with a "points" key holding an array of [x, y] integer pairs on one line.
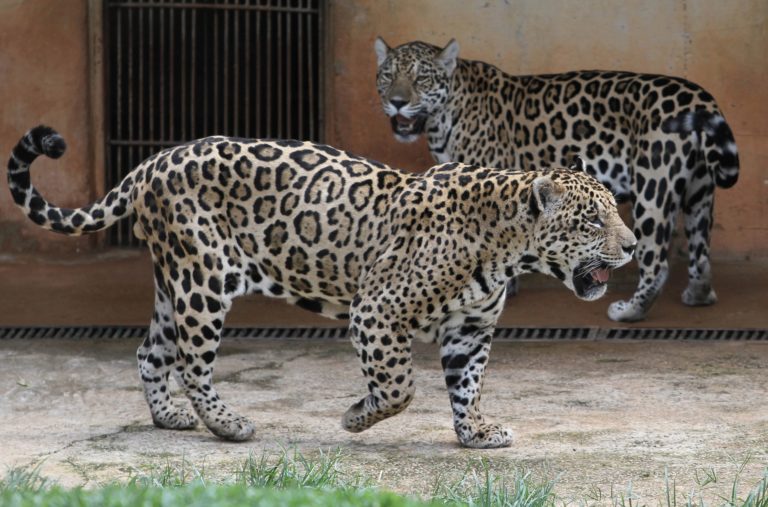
{"points": [[406, 139], [593, 294]]}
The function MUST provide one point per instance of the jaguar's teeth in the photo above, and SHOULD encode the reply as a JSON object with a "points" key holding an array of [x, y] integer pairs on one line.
{"points": [[601, 275]]}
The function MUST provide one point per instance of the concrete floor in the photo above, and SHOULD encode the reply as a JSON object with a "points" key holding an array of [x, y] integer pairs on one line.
{"points": [[115, 288], [599, 416]]}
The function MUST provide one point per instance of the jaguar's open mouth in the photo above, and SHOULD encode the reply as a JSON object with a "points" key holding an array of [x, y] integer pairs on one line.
{"points": [[407, 129], [590, 279]]}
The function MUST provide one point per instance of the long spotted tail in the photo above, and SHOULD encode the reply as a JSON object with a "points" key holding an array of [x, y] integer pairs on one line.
{"points": [[721, 155], [42, 140]]}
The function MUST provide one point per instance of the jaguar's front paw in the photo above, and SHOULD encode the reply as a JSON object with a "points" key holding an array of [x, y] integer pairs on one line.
{"points": [[235, 429], [370, 410], [624, 311], [175, 419], [486, 436], [358, 418]]}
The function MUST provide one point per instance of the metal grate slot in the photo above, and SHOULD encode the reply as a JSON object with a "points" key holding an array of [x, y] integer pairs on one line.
{"points": [[504, 334], [181, 70]]}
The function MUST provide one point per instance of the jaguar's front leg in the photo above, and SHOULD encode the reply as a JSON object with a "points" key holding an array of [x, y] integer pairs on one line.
{"points": [[464, 355]]}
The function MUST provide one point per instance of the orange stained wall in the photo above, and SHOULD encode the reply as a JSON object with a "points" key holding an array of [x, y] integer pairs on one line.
{"points": [[45, 77], [720, 45]]}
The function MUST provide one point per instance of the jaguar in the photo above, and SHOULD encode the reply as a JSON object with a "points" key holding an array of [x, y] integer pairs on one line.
{"points": [[659, 142], [403, 256]]}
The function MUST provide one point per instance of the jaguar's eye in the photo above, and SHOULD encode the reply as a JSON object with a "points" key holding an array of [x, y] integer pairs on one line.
{"points": [[385, 76], [596, 222], [422, 79]]}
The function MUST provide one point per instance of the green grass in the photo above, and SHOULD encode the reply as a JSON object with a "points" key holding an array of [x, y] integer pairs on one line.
{"points": [[27, 479], [283, 470], [285, 479], [707, 484], [482, 487], [201, 495], [288, 478]]}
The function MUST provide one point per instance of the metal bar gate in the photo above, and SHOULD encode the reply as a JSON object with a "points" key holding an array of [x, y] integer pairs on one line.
{"points": [[180, 70]]}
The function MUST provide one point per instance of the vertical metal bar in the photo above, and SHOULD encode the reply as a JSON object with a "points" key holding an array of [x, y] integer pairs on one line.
{"points": [[257, 87], [184, 77], [268, 103], [300, 71], [247, 74], [193, 77], [237, 19], [212, 63], [116, 124], [215, 56], [163, 84], [204, 85], [280, 53], [131, 77], [311, 80], [177, 61], [140, 61], [225, 128], [170, 65], [150, 83], [321, 63], [289, 84]]}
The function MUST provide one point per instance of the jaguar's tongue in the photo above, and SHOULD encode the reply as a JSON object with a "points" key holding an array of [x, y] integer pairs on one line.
{"points": [[601, 275], [403, 120]]}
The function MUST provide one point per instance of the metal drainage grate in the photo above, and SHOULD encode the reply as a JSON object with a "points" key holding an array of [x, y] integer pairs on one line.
{"points": [[504, 334]]}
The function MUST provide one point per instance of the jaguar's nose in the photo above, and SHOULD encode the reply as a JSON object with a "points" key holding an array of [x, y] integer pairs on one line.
{"points": [[629, 249], [398, 103]]}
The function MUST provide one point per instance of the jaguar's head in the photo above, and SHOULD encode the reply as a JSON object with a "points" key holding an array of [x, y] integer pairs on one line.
{"points": [[578, 235], [414, 82]]}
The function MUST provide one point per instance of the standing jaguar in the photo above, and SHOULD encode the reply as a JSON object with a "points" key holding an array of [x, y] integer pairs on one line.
{"points": [[658, 141], [402, 256]]}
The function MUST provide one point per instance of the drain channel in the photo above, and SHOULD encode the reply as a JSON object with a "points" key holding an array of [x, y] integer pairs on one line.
{"points": [[511, 334]]}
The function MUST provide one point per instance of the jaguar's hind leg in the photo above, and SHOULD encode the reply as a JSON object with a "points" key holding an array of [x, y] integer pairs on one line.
{"points": [[654, 270], [199, 315], [385, 358], [697, 210], [653, 224], [513, 287], [157, 356]]}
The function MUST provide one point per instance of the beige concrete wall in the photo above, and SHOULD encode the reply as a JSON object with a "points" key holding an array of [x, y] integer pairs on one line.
{"points": [[720, 45], [44, 79]]}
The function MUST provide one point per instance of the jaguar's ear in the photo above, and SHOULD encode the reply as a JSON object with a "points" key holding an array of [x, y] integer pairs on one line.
{"points": [[577, 164], [448, 56], [382, 51], [546, 194]]}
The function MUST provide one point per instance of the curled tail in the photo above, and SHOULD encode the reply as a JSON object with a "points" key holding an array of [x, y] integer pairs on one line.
{"points": [[42, 140], [721, 155]]}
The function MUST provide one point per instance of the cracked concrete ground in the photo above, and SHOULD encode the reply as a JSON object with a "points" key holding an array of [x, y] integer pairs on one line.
{"points": [[596, 415]]}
